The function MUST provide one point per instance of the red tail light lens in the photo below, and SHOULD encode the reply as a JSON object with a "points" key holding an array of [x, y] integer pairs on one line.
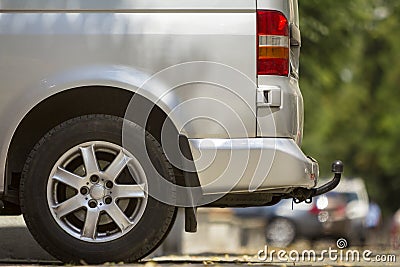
{"points": [[340, 212], [314, 210], [273, 43]]}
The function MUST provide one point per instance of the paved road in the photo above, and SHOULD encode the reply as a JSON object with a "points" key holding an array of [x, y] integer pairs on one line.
{"points": [[16, 242], [18, 248]]}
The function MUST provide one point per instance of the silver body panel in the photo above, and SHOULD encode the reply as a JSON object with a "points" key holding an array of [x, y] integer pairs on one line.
{"points": [[251, 164], [126, 5], [195, 59]]}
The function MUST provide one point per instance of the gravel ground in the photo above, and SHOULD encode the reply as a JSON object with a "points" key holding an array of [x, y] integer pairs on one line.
{"points": [[17, 248]]}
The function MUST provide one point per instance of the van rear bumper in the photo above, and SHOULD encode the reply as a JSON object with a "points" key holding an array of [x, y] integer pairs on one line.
{"points": [[252, 164]]}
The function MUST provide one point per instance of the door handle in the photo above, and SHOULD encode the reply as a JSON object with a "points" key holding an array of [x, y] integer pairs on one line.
{"points": [[269, 96]]}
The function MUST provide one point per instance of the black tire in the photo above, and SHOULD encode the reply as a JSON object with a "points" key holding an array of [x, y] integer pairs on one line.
{"points": [[146, 235]]}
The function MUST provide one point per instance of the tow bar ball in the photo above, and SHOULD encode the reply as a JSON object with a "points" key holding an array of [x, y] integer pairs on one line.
{"points": [[337, 167]]}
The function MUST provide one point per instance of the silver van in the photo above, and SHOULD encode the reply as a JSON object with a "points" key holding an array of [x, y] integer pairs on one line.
{"points": [[115, 113]]}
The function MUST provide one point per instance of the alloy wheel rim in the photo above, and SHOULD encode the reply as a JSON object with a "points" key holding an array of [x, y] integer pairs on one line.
{"points": [[97, 191]]}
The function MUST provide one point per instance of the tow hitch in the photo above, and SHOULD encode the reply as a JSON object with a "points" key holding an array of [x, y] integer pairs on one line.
{"points": [[302, 194], [337, 169]]}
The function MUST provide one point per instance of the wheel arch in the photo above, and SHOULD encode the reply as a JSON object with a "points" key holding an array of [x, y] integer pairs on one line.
{"points": [[56, 109]]}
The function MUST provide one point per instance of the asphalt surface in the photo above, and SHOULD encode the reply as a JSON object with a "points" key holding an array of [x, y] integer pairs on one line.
{"points": [[18, 248], [17, 244]]}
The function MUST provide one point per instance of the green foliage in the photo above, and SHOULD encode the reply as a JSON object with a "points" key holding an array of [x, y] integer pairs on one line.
{"points": [[350, 78]]}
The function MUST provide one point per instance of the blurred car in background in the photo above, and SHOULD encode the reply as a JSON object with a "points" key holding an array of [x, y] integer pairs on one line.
{"points": [[395, 231], [340, 213]]}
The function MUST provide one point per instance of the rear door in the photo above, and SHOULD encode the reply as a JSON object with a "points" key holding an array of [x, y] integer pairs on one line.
{"points": [[279, 100]]}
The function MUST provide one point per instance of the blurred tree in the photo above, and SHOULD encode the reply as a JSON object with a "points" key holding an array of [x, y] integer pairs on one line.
{"points": [[350, 78]]}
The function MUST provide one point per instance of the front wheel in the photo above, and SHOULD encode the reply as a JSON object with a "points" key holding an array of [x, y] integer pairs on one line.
{"points": [[85, 198]]}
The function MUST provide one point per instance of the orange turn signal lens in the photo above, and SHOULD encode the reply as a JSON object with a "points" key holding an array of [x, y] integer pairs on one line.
{"points": [[269, 52]]}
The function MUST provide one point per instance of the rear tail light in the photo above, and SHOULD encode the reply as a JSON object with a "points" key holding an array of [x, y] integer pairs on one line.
{"points": [[273, 43], [340, 212], [314, 210]]}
